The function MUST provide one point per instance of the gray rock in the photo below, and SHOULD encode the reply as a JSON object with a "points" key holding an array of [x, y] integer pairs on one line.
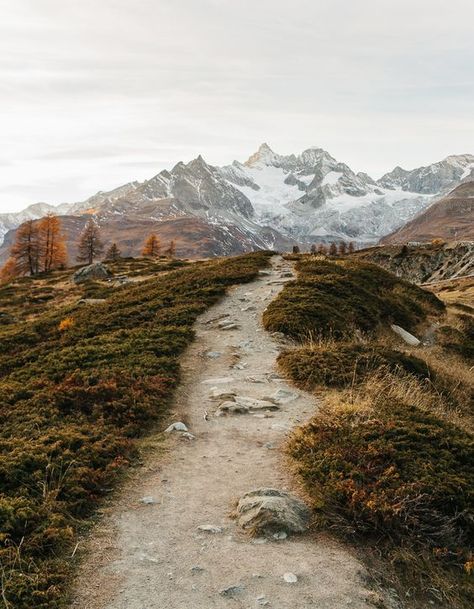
{"points": [[187, 436], [405, 336], [178, 426], [91, 272], [270, 510], [213, 354], [283, 396], [290, 578], [232, 590]]}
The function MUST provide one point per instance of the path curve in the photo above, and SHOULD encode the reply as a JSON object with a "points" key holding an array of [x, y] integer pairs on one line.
{"points": [[152, 555]]}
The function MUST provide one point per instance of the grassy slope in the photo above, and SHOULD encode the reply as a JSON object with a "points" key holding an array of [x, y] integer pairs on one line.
{"points": [[389, 459], [72, 401]]}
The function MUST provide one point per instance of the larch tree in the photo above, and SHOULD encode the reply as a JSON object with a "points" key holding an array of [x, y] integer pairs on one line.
{"points": [[53, 253], [342, 248], [313, 249], [113, 253], [351, 247], [89, 246], [171, 250], [152, 247], [333, 249], [9, 271], [26, 249], [322, 249]]}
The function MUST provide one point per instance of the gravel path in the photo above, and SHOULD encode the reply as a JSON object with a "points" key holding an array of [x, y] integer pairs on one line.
{"points": [[148, 552]]}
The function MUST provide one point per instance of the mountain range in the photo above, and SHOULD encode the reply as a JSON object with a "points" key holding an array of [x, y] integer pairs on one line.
{"points": [[269, 201]]}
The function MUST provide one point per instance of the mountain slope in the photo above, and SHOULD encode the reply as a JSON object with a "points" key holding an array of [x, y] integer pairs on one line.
{"points": [[451, 218], [268, 200]]}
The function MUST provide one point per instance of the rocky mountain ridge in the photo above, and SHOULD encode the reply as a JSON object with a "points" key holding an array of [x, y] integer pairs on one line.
{"points": [[270, 199]]}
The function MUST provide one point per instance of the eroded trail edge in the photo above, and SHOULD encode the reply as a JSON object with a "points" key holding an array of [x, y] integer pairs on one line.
{"points": [[148, 551]]}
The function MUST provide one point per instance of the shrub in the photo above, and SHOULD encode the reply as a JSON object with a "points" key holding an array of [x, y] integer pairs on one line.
{"points": [[338, 299], [72, 403]]}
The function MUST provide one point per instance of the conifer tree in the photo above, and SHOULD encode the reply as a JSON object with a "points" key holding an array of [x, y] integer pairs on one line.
{"points": [[113, 253], [333, 249], [342, 248], [152, 247], [313, 249], [322, 249], [90, 246], [351, 247], [171, 251], [26, 249], [53, 252]]}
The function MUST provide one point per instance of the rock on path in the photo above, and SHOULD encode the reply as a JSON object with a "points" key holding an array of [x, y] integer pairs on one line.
{"points": [[168, 553]]}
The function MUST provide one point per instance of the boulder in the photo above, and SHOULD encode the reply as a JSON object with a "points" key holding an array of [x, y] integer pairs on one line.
{"points": [[406, 336], [92, 272], [178, 426], [267, 510]]}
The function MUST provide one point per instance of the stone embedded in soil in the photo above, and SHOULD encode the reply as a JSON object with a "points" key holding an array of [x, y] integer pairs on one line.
{"points": [[187, 436], [290, 578], [213, 354], [231, 591], [148, 500], [178, 426], [283, 396], [267, 509]]}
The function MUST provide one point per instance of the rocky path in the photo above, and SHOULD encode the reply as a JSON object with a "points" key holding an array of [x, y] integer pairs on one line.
{"points": [[149, 551]]}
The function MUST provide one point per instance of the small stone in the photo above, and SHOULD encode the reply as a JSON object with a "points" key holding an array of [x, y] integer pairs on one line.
{"points": [[148, 500], [262, 601], [213, 354], [210, 528], [232, 590], [218, 381], [280, 535], [178, 426], [197, 569], [187, 436], [290, 578]]}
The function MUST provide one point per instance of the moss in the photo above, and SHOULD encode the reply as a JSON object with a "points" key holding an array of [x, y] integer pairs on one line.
{"points": [[73, 400], [338, 299]]}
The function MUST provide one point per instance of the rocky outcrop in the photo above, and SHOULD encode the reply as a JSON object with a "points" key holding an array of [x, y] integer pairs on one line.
{"points": [[92, 272], [421, 263]]}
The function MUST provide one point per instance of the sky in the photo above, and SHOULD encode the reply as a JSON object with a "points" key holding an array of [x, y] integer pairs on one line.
{"points": [[96, 93]]}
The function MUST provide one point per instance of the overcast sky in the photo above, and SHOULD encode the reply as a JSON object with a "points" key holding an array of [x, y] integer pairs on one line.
{"points": [[95, 93]]}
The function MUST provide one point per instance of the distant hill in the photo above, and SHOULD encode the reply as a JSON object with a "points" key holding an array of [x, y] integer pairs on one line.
{"points": [[450, 218]]}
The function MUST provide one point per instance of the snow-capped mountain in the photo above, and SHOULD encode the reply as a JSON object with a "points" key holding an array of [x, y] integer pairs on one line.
{"points": [[273, 198]]}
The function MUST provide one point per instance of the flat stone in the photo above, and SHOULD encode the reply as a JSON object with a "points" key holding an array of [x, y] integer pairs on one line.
{"points": [[231, 408], [406, 336], [283, 396], [178, 426], [218, 381], [213, 354], [187, 436], [210, 528], [290, 578]]}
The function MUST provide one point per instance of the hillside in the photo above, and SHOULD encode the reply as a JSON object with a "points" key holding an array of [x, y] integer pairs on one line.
{"points": [[450, 218], [423, 262], [270, 200], [165, 390]]}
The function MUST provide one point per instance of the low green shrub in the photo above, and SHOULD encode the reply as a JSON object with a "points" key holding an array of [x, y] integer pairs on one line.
{"points": [[78, 384], [337, 299]]}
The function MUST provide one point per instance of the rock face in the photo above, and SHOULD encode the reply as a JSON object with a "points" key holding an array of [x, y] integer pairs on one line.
{"points": [[96, 271], [266, 510]]}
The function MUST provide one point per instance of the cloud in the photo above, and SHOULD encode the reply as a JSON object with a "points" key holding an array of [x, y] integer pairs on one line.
{"points": [[94, 94]]}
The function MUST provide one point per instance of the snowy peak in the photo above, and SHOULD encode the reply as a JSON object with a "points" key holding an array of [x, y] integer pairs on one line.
{"points": [[433, 179], [263, 156]]}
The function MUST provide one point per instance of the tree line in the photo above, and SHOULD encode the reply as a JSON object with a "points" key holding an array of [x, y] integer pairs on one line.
{"points": [[40, 247], [334, 249]]}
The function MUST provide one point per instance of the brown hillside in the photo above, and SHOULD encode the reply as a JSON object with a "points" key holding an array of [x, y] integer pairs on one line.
{"points": [[451, 218]]}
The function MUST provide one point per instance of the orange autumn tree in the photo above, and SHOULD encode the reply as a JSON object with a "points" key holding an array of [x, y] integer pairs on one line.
{"points": [[53, 253], [90, 245], [152, 247], [26, 249], [8, 271]]}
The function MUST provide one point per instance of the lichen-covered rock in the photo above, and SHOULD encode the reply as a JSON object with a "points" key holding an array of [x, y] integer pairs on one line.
{"points": [[266, 510]]}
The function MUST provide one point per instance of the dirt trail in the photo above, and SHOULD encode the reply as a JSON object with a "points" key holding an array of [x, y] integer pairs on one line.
{"points": [[152, 555]]}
